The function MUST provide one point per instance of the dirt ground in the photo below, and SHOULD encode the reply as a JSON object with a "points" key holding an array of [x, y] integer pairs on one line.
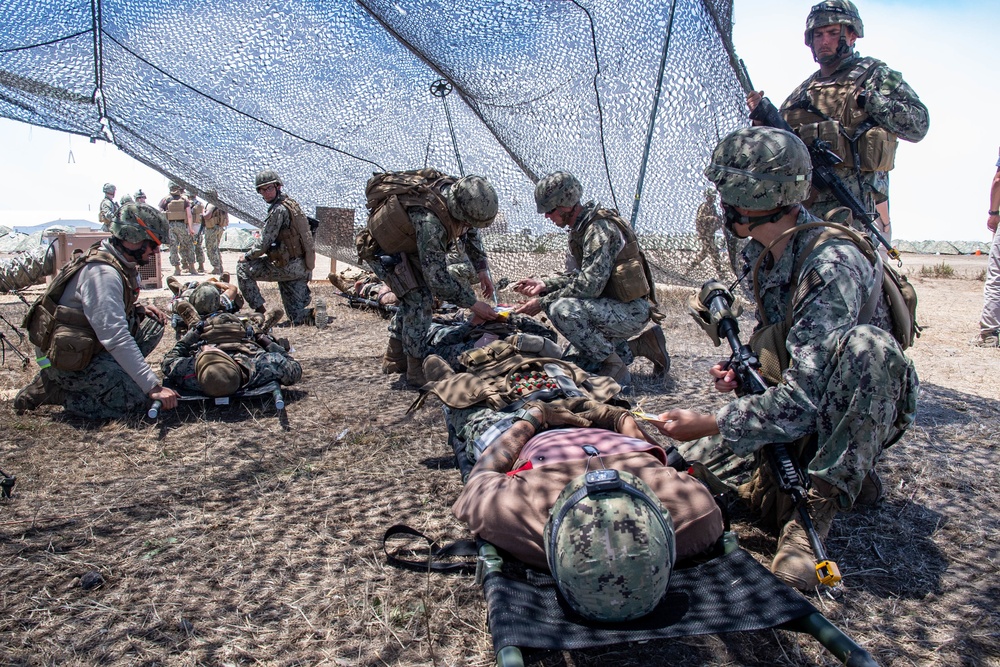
{"points": [[232, 535]]}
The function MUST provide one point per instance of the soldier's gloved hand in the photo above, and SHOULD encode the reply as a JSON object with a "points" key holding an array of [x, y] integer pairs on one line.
{"points": [[601, 415], [553, 414]]}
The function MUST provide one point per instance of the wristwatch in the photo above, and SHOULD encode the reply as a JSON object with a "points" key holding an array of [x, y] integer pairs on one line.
{"points": [[524, 415], [997, 212]]}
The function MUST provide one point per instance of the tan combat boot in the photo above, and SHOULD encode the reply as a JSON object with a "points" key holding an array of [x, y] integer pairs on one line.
{"points": [[177, 270], [173, 284], [614, 368], [652, 345], [394, 359], [41, 391], [273, 317], [187, 313], [795, 563], [415, 372], [339, 282]]}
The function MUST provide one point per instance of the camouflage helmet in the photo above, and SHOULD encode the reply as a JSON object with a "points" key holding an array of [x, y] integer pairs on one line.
{"points": [[761, 168], [205, 299], [139, 193], [218, 373], [136, 223], [172, 185], [610, 546], [109, 189], [472, 200], [560, 188], [267, 177], [125, 199], [832, 12]]}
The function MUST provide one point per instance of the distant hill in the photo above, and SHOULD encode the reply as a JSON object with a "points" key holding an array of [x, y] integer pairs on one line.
{"points": [[86, 224]]}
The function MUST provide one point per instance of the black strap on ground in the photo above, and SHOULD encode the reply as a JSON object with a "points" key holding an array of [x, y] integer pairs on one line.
{"points": [[435, 558], [732, 593]]}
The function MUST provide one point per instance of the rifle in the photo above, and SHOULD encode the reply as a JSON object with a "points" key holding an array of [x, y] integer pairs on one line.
{"points": [[787, 469], [823, 161]]}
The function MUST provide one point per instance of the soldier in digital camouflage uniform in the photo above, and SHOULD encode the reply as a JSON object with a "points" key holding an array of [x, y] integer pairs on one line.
{"points": [[707, 222], [198, 240], [284, 253], [517, 496], [848, 93], [109, 208], [216, 220], [848, 389], [581, 303], [117, 380], [178, 213], [472, 204]]}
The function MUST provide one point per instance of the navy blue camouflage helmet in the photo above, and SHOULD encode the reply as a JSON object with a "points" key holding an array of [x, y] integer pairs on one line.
{"points": [[611, 549]]}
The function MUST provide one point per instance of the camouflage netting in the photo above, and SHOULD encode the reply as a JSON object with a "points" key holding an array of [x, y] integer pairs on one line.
{"points": [[209, 93]]}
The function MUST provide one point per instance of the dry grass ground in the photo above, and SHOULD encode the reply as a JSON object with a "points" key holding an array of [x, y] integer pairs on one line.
{"points": [[232, 536]]}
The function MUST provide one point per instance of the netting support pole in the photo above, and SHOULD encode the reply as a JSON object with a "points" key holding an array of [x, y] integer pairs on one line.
{"points": [[441, 88], [652, 117]]}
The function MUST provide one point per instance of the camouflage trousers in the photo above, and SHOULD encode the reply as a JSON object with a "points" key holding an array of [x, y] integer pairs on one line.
{"points": [[198, 243], [213, 237], [870, 400], [597, 327], [412, 320], [711, 251], [265, 367], [292, 279], [103, 390], [181, 246]]}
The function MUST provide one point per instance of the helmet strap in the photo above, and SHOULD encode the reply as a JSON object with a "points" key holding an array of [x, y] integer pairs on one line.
{"points": [[733, 217]]}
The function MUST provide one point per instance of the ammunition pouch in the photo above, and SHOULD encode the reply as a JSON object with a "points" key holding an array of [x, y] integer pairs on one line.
{"points": [[400, 274], [628, 278], [278, 254], [390, 225], [74, 342]]}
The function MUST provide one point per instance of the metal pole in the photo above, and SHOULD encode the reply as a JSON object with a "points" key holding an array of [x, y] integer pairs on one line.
{"points": [[442, 88], [652, 117]]}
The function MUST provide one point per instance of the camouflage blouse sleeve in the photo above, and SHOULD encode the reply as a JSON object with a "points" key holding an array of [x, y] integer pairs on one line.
{"points": [[474, 249], [841, 279], [601, 244], [277, 219], [432, 248], [893, 104]]}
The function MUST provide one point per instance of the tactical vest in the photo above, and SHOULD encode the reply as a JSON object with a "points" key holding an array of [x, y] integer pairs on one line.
{"points": [[295, 240], [630, 277], [768, 342], [499, 374], [835, 116], [64, 334], [113, 206], [196, 210], [390, 194], [175, 209], [226, 332], [215, 217]]}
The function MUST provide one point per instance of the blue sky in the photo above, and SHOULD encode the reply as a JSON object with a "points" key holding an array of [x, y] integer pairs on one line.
{"points": [[939, 189]]}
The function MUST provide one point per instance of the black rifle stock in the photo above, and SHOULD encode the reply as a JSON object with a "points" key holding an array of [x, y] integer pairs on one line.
{"points": [[786, 469], [824, 160]]}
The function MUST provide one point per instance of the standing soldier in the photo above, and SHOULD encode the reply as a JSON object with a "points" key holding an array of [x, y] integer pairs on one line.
{"points": [[607, 296], [178, 212], [707, 222], [857, 104], [140, 196], [406, 244], [283, 253], [109, 208], [216, 220], [199, 228]]}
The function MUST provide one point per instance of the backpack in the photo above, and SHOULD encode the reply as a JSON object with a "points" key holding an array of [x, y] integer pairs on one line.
{"points": [[389, 194], [901, 297]]}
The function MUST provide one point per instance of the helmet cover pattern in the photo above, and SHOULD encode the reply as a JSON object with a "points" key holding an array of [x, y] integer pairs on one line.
{"points": [[761, 168], [136, 223], [109, 189], [560, 188], [267, 177], [472, 200], [833, 12], [610, 552], [205, 299]]}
